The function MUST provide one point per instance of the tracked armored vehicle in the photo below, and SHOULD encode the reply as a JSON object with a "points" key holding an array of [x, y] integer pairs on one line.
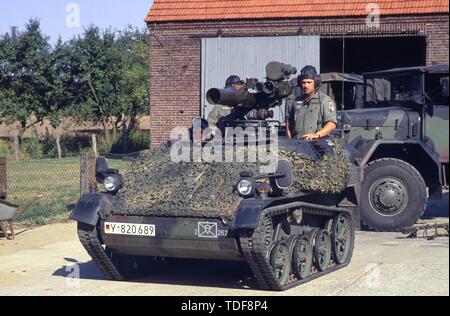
{"points": [[286, 235]]}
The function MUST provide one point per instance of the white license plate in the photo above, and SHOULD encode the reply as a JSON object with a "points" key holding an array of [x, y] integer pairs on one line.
{"points": [[130, 229]]}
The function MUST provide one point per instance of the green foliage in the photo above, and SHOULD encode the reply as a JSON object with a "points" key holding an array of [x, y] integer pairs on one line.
{"points": [[138, 140], [25, 79], [103, 144], [133, 43], [71, 146], [100, 76], [33, 148], [4, 149], [113, 76], [49, 148]]}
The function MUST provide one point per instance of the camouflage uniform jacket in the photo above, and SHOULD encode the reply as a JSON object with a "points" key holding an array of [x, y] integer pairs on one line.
{"points": [[311, 116], [218, 112]]}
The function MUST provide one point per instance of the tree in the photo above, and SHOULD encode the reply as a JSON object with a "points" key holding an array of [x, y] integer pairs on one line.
{"points": [[25, 85], [97, 70], [111, 74], [99, 76], [134, 84]]}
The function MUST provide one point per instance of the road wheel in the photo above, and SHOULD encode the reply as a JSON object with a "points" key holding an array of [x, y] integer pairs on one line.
{"points": [[322, 250], [302, 257], [280, 260], [342, 238], [393, 195]]}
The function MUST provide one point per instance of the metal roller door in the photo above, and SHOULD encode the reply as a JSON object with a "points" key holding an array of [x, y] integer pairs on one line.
{"points": [[248, 56]]}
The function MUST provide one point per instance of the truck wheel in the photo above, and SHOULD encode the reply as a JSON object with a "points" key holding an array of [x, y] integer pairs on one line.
{"points": [[393, 195]]}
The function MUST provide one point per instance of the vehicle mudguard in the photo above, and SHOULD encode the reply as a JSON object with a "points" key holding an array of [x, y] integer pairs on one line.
{"points": [[89, 207], [368, 148], [247, 214]]}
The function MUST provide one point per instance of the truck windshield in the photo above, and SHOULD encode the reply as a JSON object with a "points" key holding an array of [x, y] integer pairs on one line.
{"points": [[436, 88], [394, 88]]}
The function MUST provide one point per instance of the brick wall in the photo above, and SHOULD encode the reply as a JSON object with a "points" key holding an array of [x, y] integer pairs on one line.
{"points": [[175, 55]]}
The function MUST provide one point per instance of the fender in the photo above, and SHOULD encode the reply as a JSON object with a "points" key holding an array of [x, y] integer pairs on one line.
{"points": [[431, 172], [248, 213], [89, 207]]}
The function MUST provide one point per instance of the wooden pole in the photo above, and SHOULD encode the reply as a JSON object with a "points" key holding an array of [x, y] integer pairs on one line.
{"points": [[58, 146], [94, 143], [3, 183], [16, 148]]}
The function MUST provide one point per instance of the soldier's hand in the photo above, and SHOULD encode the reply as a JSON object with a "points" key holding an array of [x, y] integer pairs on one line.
{"points": [[311, 136]]}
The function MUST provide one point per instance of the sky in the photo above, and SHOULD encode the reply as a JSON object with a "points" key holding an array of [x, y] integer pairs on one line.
{"points": [[68, 17]]}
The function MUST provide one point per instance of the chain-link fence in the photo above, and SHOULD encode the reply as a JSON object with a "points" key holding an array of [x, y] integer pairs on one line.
{"points": [[59, 181]]}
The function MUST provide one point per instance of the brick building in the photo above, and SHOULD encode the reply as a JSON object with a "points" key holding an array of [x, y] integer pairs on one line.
{"points": [[196, 44]]}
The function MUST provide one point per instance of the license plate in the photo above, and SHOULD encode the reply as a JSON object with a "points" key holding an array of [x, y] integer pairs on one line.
{"points": [[130, 229]]}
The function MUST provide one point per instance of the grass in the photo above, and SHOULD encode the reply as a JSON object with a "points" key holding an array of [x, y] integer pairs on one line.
{"points": [[57, 180]]}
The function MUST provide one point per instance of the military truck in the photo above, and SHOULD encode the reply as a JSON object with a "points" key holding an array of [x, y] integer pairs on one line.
{"points": [[288, 237], [401, 137], [336, 84]]}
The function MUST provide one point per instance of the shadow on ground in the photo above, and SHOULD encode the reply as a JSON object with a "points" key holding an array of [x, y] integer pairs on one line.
{"points": [[436, 207], [206, 273], [210, 273]]}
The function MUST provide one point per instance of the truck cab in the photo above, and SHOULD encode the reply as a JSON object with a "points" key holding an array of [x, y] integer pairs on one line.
{"points": [[401, 136]]}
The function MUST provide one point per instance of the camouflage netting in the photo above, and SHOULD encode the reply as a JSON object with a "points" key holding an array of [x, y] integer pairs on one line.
{"points": [[328, 175], [154, 185]]}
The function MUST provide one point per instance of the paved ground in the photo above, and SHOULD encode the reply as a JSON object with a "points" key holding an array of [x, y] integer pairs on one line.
{"points": [[44, 260]]}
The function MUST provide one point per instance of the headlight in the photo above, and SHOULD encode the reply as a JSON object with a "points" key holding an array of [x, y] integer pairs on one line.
{"points": [[245, 187], [113, 183]]}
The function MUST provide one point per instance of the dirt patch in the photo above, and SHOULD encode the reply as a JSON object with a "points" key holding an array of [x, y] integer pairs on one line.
{"points": [[37, 237]]}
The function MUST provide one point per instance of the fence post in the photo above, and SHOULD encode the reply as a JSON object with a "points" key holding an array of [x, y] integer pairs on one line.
{"points": [[3, 183], [16, 148], [87, 173]]}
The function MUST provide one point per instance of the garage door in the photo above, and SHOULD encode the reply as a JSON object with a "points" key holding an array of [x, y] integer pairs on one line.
{"points": [[248, 56]]}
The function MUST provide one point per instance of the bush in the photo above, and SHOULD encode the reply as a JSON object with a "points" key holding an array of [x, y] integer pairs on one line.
{"points": [[138, 140], [32, 148], [4, 149], [49, 147], [102, 144], [71, 146]]}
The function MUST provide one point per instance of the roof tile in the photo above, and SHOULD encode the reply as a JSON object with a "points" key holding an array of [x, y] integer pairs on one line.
{"points": [[201, 10]]}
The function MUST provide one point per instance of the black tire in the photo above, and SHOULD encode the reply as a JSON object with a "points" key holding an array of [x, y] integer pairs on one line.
{"points": [[393, 195]]}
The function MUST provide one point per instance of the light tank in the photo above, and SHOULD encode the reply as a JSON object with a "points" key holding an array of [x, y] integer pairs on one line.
{"points": [[286, 229]]}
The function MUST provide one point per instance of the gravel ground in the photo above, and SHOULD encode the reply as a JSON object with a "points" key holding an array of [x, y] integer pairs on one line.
{"points": [[43, 261]]}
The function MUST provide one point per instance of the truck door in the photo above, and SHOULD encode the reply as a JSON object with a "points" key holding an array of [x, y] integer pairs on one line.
{"points": [[436, 89]]}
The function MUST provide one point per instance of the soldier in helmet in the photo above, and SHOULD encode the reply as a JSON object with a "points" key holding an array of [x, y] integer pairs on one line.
{"points": [[314, 113], [221, 111]]}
